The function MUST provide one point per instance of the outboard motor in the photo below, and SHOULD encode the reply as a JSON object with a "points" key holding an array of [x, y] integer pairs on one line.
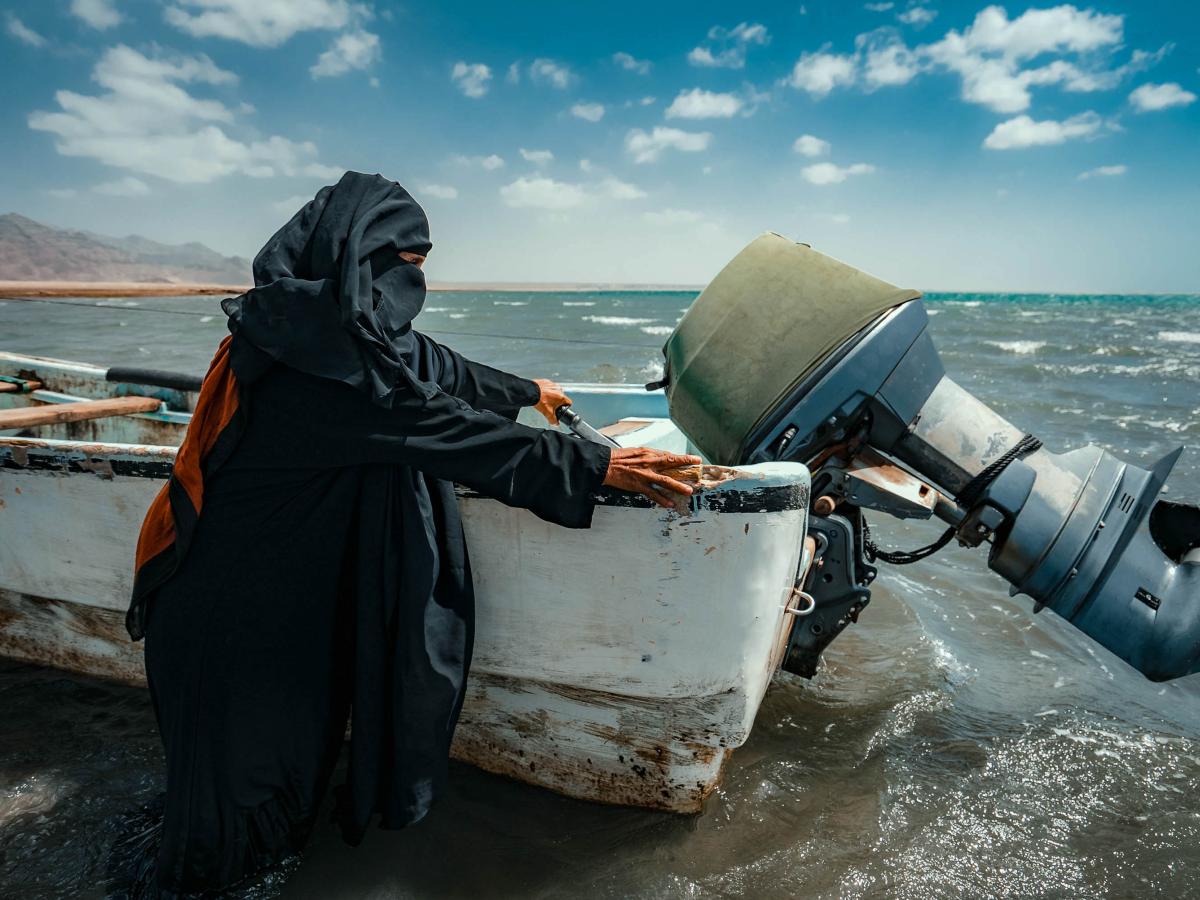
{"points": [[792, 355]]}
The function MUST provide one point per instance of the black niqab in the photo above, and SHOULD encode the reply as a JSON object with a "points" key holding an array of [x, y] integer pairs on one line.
{"points": [[326, 576], [332, 295]]}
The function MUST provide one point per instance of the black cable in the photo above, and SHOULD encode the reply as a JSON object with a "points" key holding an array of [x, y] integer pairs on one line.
{"points": [[967, 497]]}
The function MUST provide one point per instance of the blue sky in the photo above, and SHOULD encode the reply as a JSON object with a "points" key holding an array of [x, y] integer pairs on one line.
{"points": [[939, 145]]}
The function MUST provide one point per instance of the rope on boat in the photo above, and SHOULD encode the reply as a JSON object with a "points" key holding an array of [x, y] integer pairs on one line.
{"points": [[484, 334], [966, 498]]}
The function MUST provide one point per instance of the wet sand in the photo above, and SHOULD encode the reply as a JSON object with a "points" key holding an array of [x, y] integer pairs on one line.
{"points": [[9, 289], [12, 289]]}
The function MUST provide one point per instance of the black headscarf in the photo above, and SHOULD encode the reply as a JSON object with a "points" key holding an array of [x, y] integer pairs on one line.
{"points": [[333, 297]]}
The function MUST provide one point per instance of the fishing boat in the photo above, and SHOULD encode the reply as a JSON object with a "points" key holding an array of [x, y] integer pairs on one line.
{"points": [[626, 675]]}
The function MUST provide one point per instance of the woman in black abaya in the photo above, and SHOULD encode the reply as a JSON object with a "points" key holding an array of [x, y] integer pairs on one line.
{"points": [[305, 565]]}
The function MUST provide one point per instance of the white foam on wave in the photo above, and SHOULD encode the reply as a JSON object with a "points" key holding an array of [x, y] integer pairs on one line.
{"points": [[1180, 337], [1125, 322], [438, 308], [458, 315], [1018, 346], [204, 319], [579, 303], [510, 303], [617, 320], [658, 329]]}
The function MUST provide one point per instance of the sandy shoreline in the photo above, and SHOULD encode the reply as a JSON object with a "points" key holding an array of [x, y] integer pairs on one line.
{"points": [[12, 289]]}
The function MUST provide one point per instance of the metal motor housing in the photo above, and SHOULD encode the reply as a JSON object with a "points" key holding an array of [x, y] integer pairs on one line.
{"points": [[1081, 532]]}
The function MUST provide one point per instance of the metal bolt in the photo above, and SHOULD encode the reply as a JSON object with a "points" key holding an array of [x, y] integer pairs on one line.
{"points": [[824, 505]]}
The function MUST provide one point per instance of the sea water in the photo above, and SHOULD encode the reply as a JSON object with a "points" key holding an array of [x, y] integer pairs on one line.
{"points": [[953, 744]]}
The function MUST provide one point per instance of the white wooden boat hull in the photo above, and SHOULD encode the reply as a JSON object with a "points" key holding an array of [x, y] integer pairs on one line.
{"points": [[627, 677]]}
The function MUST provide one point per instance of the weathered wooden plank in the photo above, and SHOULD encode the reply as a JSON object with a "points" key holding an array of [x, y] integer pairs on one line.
{"points": [[50, 414]]}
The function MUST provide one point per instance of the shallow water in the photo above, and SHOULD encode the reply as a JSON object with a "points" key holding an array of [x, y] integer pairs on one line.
{"points": [[952, 745]]}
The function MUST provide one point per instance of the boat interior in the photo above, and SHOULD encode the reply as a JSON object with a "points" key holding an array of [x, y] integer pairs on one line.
{"points": [[52, 399]]}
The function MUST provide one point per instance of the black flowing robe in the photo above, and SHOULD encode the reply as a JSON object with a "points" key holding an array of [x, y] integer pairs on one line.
{"points": [[305, 564], [328, 576]]}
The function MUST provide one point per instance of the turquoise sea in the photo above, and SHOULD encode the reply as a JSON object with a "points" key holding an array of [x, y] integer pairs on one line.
{"points": [[953, 744]]}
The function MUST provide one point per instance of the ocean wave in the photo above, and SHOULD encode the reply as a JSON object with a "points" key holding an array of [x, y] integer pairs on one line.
{"points": [[510, 303], [579, 303], [1180, 337], [1018, 346], [658, 329], [457, 315], [438, 308], [617, 320]]}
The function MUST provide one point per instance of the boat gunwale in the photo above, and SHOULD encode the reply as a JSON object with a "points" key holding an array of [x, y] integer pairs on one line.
{"points": [[747, 492]]}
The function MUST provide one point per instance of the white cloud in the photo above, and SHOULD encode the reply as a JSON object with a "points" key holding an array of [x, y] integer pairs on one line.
{"points": [[585, 165], [992, 56], [701, 104], [147, 122], [537, 157], [350, 50], [514, 73], [261, 23], [1022, 131], [989, 54], [1153, 97], [538, 192], [631, 64], [471, 78], [1036, 31], [589, 112], [917, 16], [616, 189], [547, 71], [819, 73], [840, 219], [670, 216], [810, 146], [886, 59], [99, 14], [290, 205], [441, 191], [878, 7], [123, 187], [1103, 172], [647, 147], [732, 44], [829, 173], [22, 32], [487, 163], [542, 193]]}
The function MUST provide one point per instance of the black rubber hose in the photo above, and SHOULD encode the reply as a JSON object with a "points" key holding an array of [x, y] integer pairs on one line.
{"points": [[177, 381]]}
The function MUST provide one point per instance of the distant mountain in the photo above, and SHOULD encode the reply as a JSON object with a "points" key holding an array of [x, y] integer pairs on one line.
{"points": [[31, 251]]}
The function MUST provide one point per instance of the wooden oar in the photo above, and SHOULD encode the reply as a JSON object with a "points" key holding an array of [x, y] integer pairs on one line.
{"points": [[51, 413], [19, 387]]}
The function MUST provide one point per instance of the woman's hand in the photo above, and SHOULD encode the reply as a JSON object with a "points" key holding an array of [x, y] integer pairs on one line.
{"points": [[644, 471], [552, 398]]}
